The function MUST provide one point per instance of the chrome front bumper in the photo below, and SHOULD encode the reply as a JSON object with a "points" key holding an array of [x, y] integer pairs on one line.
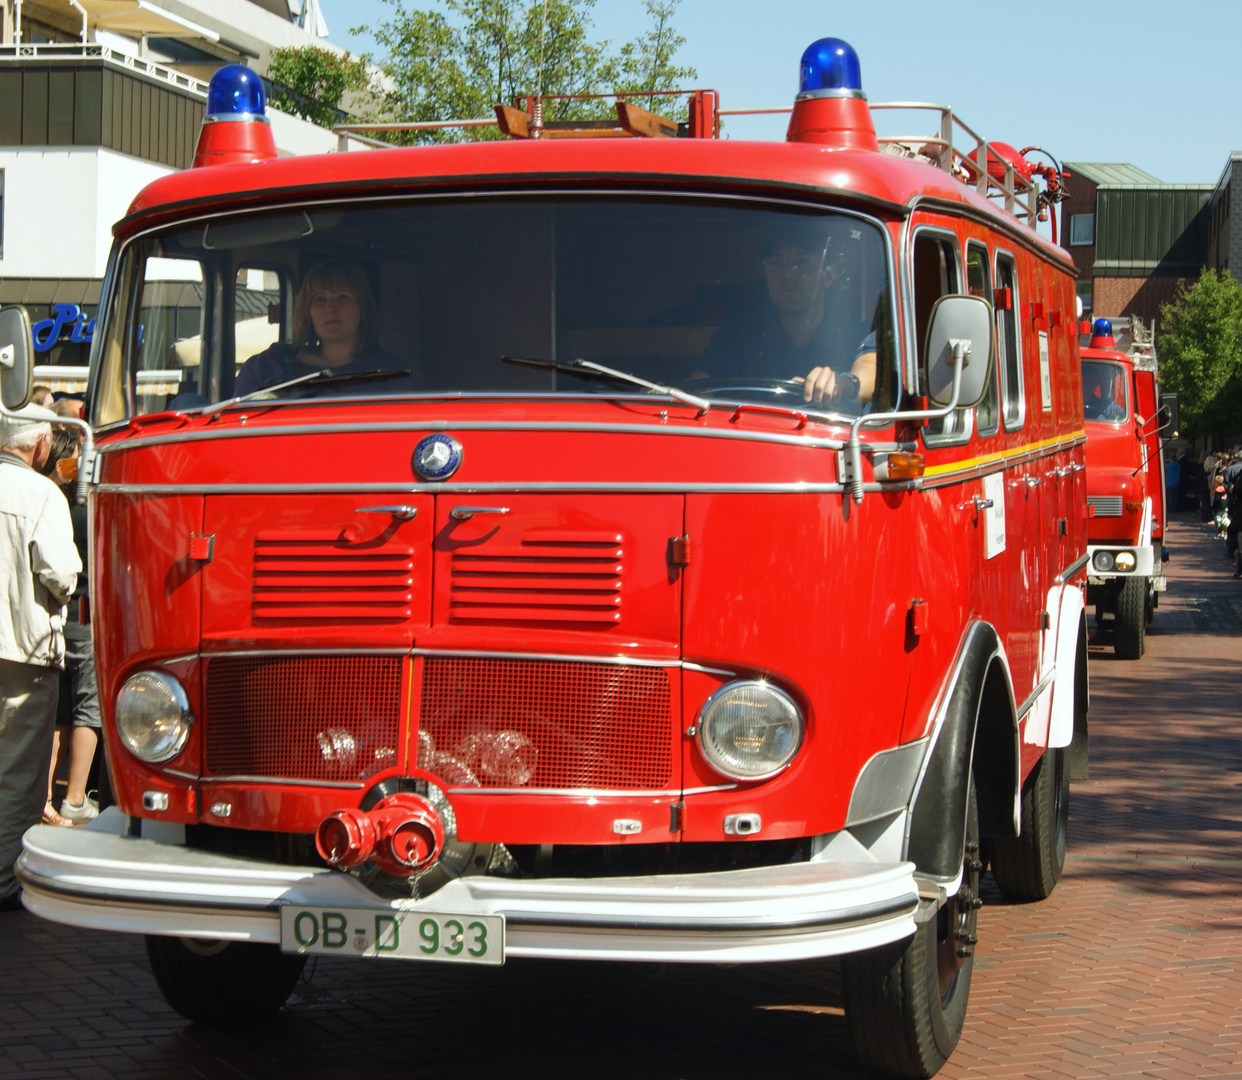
{"points": [[102, 879]]}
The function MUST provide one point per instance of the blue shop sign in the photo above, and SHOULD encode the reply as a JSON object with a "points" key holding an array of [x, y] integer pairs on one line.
{"points": [[47, 332]]}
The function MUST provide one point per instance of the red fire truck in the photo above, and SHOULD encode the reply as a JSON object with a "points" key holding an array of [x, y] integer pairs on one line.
{"points": [[642, 547], [1125, 488]]}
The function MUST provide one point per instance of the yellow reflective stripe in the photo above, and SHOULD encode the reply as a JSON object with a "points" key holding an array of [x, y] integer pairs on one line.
{"points": [[1004, 455]]}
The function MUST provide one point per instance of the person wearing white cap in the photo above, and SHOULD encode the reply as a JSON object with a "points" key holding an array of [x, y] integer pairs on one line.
{"points": [[39, 566]]}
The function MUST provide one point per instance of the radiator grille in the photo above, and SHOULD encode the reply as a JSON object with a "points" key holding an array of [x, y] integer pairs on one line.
{"points": [[1105, 505], [302, 717], [308, 575], [561, 578], [546, 724]]}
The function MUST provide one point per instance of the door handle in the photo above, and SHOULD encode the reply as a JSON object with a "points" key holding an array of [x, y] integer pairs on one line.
{"points": [[465, 513], [405, 513]]}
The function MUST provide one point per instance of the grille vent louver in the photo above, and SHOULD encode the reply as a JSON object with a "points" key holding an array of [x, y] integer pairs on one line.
{"points": [[323, 575], [548, 577], [1105, 505]]}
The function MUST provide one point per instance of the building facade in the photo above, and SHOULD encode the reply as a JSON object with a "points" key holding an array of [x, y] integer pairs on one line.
{"points": [[97, 99]]}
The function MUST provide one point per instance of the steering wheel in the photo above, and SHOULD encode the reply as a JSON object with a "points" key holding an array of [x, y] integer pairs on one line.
{"points": [[745, 386]]}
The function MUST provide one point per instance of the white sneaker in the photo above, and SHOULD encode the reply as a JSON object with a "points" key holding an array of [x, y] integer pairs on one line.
{"points": [[79, 813]]}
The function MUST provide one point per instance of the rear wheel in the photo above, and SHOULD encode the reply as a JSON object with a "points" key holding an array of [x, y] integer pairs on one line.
{"points": [[222, 982], [1131, 629], [1028, 867], [906, 1002]]}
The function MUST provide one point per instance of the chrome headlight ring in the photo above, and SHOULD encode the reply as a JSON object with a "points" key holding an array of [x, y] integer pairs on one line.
{"points": [[749, 730], [153, 716]]}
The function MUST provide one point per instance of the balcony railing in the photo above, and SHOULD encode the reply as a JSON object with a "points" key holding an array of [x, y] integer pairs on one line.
{"points": [[91, 51]]}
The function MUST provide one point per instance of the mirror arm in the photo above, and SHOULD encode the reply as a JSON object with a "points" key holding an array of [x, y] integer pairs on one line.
{"points": [[85, 456], [854, 445]]}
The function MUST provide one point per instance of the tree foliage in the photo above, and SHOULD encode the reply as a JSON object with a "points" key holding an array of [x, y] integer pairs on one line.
{"points": [[1201, 354], [311, 82], [458, 59]]}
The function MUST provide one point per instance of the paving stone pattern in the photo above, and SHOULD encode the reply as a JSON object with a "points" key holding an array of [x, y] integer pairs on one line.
{"points": [[1133, 967]]}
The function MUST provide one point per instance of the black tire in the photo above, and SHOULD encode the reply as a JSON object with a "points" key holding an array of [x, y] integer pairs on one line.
{"points": [[227, 983], [1028, 867], [1131, 629], [906, 1002]]}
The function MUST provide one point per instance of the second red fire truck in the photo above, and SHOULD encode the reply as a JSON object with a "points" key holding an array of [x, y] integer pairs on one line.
{"points": [[642, 547]]}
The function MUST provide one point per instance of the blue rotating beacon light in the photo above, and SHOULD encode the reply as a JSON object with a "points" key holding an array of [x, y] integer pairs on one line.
{"points": [[831, 108]]}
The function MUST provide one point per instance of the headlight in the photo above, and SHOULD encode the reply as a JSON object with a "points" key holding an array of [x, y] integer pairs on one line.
{"points": [[1124, 561], [749, 730], [153, 716], [1103, 561]]}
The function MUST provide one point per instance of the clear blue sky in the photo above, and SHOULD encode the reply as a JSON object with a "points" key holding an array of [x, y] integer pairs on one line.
{"points": [[1156, 84]]}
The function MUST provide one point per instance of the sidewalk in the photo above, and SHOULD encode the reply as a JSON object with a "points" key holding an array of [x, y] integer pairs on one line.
{"points": [[1132, 968]]}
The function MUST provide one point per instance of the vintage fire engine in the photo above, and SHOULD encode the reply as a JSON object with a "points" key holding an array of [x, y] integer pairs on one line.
{"points": [[685, 563], [1125, 487]]}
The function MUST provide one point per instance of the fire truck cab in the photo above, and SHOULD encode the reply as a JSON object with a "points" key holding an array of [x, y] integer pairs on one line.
{"points": [[643, 547], [1125, 489]]}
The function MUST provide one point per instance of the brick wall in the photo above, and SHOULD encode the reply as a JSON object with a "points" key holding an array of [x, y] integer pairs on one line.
{"points": [[1141, 296]]}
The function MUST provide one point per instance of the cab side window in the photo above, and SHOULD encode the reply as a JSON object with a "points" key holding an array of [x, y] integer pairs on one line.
{"points": [[1009, 342], [936, 273], [979, 283]]}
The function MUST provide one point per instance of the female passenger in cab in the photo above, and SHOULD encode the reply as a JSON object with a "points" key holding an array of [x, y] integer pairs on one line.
{"points": [[335, 327]]}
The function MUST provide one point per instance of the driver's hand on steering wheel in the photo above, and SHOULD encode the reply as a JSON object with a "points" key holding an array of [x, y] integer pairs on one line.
{"points": [[821, 385]]}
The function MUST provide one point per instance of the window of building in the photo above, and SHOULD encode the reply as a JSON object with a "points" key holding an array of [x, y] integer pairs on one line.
{"points": [[1082, 229], [1085, 294]]}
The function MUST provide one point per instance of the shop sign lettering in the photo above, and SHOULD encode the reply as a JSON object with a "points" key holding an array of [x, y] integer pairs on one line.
{"points": [[47, 332]]}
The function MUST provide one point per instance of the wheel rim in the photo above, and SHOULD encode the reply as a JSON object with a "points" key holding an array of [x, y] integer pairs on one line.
{"points": [[956, 924]]}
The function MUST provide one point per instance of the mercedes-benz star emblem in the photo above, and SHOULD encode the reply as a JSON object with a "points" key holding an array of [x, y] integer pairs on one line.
{"points": [[437, 457]]}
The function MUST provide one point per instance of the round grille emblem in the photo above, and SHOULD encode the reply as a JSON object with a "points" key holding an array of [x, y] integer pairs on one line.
{"points": [[437, 457]]}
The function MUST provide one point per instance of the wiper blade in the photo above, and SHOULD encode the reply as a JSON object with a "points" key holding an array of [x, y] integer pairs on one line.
{"points": [[580, 366], [323, 377]]}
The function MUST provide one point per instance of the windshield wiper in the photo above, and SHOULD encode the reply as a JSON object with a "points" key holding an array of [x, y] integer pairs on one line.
{"points": [[324, 377], [579, 367]]}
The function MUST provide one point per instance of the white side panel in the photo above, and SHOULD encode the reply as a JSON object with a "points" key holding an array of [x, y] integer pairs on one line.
{"points": [[1061, 725]]}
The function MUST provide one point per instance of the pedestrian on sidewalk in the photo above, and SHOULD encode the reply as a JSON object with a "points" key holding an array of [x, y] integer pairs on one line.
{"points": [[39, 568]]}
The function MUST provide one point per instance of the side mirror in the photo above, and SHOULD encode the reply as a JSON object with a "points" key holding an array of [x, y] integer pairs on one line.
{"points": [[960, 329], [16, 370], [1169, 414]]}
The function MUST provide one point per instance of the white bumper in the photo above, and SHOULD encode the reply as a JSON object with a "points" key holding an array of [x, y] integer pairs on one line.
{"points": [[101, 879]]}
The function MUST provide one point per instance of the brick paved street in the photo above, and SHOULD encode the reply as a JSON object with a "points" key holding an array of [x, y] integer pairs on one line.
{"points": [[1132, 968]]}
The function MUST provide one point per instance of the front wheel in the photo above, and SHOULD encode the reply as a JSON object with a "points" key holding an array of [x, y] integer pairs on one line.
{"points": [[906, 1002], [222, 982], [1131, 626], [1028, 867]]}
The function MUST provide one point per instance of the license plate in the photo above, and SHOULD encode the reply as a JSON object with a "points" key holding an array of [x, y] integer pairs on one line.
{"points": [[406, 935]]}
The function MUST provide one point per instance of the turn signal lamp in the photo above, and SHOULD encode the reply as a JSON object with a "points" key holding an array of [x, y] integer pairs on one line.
{"points": [[899, 466], [831, 108], [235, 130], [1102, 335]]}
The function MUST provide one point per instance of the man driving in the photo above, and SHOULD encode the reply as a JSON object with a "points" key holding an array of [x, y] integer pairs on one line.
{"points": [[803, 336]]}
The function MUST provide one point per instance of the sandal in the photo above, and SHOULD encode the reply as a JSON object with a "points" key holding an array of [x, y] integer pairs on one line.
{"points": [[52, 817]]}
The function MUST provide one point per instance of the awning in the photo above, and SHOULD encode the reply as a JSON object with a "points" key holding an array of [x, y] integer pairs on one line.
{"points": [[137, 17]]}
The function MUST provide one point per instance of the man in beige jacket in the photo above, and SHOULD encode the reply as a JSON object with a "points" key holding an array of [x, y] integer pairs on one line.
{"points": [[39, 566]]}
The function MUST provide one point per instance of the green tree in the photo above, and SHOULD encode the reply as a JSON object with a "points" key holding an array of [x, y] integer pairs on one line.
{"points": [[646, 65], [311, 82], [1201, 354], [457, 60]]}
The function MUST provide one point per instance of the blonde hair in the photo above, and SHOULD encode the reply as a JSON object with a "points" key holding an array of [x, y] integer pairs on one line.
{"points": [[336, 274]]}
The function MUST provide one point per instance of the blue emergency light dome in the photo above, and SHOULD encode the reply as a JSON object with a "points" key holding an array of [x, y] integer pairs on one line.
{"points": [[1101, 328], [235, 93], [830, 69]]}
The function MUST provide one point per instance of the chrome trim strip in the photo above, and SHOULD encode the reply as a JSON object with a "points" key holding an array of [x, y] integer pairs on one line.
{"points": [[1043, 685], [687, 665], [570, 657], [209, 655], [593, 793], [178, 773], [287, 781], [996, 465], [507, 487], [1073, 569], [654, 428]]}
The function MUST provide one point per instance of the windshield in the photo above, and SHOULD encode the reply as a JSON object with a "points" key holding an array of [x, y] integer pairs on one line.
{"points": [[730, 301], [1104, 391]]}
